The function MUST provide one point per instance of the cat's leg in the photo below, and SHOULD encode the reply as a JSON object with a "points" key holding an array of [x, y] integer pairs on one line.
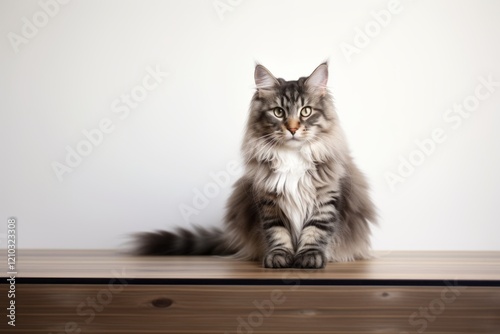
{"points": [[279, 247], [317, 233]]}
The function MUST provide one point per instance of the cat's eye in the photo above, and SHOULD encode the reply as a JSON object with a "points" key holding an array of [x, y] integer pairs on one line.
{"points": [[306, 112], [278, 112]]}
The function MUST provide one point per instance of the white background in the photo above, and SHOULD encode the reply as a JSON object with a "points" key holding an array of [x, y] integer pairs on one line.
{"points": [[394, 91]]}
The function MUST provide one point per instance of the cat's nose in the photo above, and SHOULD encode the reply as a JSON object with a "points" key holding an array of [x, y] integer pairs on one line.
{"points": [[292, 125]]}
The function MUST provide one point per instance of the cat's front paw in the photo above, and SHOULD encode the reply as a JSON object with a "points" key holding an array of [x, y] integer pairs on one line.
{"points": [[311, 259], [278, 258]]}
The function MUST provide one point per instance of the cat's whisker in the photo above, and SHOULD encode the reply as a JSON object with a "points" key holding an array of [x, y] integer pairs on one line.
{"points": [[268, 135], [269, 147], [264, 150]]}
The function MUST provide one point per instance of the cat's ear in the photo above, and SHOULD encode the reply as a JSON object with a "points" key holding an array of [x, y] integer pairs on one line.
{"points": [[264, 80], [318, 79]]}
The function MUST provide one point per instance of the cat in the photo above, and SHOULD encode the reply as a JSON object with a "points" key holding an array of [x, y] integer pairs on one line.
{"points": [[301, 201]]}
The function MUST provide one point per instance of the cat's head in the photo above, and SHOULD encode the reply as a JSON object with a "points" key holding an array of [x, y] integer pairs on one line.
{"points": [[290, 114]]}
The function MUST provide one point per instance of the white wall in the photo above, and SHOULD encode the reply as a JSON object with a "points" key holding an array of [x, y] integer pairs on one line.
{"points": [[391, 92]]}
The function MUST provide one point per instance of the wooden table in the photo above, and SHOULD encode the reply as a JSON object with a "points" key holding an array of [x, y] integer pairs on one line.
{"points": [[73, 291]]}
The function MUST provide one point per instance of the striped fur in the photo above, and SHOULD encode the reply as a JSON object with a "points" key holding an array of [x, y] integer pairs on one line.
{"points": [[301, 202]]}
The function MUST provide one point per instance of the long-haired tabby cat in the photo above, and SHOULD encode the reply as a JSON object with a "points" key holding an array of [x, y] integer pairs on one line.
{"points": [[301, 201]]}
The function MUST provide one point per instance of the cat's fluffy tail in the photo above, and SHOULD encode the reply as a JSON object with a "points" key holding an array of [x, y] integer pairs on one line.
{"points": [[200, 241]]}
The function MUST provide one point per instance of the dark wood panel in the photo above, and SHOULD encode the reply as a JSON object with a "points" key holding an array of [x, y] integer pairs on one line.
{"points": [[256, 309]]}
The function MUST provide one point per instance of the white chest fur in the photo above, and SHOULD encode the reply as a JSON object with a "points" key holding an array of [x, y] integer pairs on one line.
{"points": [[293, 184]]}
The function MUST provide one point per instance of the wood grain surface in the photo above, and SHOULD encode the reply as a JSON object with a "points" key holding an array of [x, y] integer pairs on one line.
{"points": [[384, 265], [264, 309]]}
